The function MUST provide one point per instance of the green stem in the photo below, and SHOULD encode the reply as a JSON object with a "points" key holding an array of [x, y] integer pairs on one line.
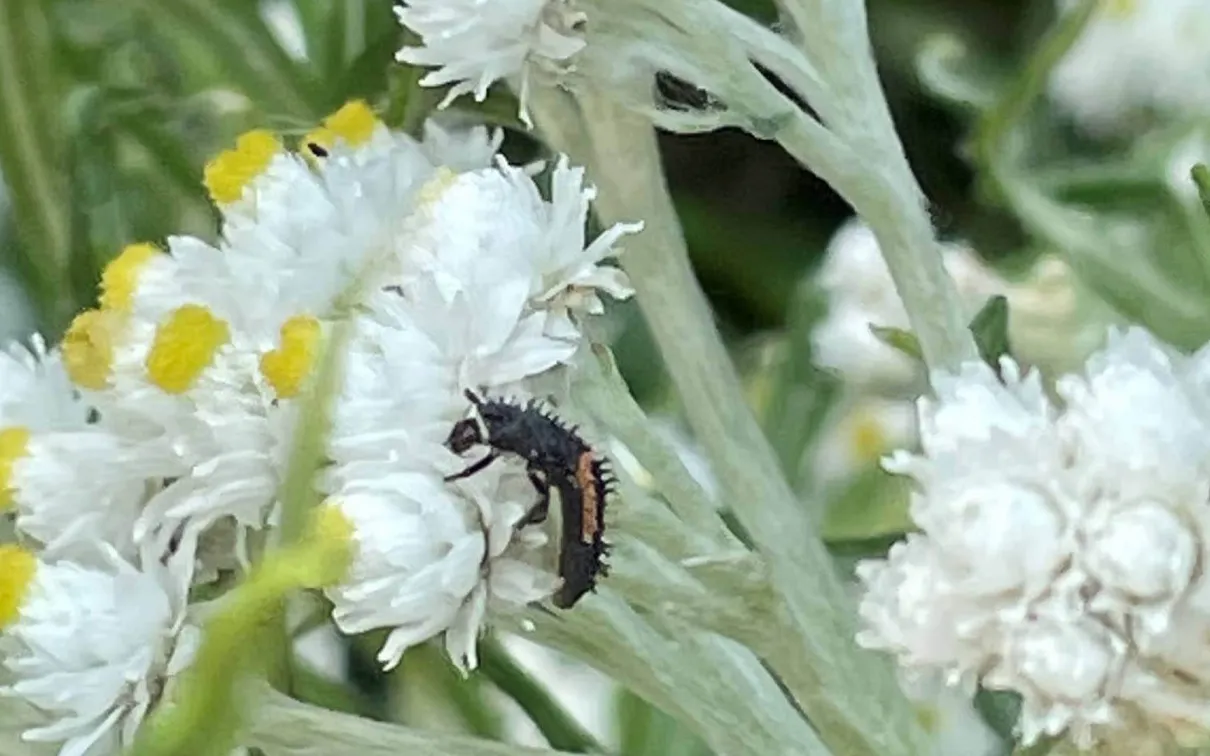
{"points": [[997, 127], [283, 727], [298, 492], [559, 728], [860, 155], [851, 698]]}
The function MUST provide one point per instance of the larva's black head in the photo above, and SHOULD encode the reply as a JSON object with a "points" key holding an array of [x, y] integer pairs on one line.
{"points": [[465, 434]]}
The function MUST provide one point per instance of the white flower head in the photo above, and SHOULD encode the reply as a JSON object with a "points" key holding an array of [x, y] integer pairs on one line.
{"points": [[569, 272], [1060, 546], [460, 147], [474, 43], [497, 272], [73, 488], [1134, 57], [428, 558], [36, 392], [93, 644]]}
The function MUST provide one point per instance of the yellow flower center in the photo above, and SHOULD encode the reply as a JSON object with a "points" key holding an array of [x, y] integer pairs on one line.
{"points": [[867, 438], [929, 718], [88, 348], [14, 442], [287, 367], [354, 122], [17, 568], [121, 276], [185, 343], [227, 175]]}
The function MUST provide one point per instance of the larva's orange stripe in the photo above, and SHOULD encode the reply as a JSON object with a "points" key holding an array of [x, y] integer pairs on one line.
{"points": [[588, 498]]}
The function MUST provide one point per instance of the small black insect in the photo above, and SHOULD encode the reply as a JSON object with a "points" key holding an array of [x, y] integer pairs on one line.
{"points": [[317, 149], [555, 456]]}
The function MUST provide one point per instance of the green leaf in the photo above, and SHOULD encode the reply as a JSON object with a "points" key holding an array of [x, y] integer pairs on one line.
{"points": [[647, 731], [990, 329], [558, 726], [33, 155], [899, 339], [428, 665], [1000, 709], [1000, 124], [1040, 748], [875, 504], [1201, 177], [236, 39], [798, 394], [345, 37], [367, 75], [312, 687]]}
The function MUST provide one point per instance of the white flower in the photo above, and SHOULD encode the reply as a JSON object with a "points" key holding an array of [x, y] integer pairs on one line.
{"points": [[75, 488], [861, 293], [1060, 549], [35, 391], [93, 644], [199, 354], [498, 272], [430, 556], [462, 148], [427, 561], [862, 430], [474, 43], [1135, 57], [70, 479], [568, 271]]}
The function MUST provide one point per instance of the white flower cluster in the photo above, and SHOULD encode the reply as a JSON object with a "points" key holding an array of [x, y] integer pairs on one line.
{"points": [[474, 43], [1062, 548], [1133, 57], [142, 456]]}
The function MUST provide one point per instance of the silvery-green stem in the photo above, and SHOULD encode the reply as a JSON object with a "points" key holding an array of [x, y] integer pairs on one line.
{"points": [[282, 726], [879, 184], [851, 697]]}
